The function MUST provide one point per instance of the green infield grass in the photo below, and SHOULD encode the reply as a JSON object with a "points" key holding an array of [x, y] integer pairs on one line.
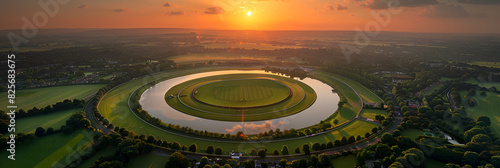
{"points": [[54, 120], [242, 93], [41, 97]]}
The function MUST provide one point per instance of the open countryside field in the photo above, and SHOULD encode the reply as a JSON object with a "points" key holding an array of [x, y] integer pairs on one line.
{"points": [[483, 83], [486, 64], [487, 106], [205, 57], [51, 150], [41, 97], [54, 120], [114, 108], [371, 113]]}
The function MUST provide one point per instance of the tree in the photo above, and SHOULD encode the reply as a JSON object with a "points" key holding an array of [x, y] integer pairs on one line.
{"points": [[218, 151], [193, 147], [337, 142], [379, 117], [262, 153], [387, 138], [495, 160], [305, 148], [276, 152], [232, 162], [254, 152], [176, 145], [351, 139], [383, 150], [203, 161], [329, 145], [375, 130], [216, 166], [484, 119], [451, 165], [50, 130], [284, 150], [343, 141], [297, 150], [471, 158], [248, 164], [396, 165], [480, 138], [474, 131], [151, 139], [79, 74], [283, 163], [210, 149], [177, 159], [313, 161], [396, 149], [316, 146], [39, 131], [324, 159], [336, 121]]}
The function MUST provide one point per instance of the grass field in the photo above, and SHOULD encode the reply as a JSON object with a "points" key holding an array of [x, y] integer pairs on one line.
{"points": [[41, 97], [486, 64], [485, 84], [51, 150], [487, 106], [242, 93], [54, 120], [371, 113], [150, 160], [412, 133], [345, 161], [114, 108]]}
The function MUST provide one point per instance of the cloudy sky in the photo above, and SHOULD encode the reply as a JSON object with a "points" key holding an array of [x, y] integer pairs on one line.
{"points": [[465, 16]]}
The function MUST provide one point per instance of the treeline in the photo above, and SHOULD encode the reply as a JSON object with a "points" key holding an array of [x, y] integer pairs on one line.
{"points": [[59, 106], [292, 73]]}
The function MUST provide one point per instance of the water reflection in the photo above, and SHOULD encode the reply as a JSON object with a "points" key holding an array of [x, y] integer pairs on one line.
{"points": [[152, 100]]}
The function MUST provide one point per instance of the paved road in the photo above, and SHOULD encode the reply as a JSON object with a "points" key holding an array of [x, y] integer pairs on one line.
{"points": [[94, 122]]}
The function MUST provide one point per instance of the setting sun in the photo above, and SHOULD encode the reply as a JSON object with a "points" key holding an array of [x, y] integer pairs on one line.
{"points": [[249, 13]]}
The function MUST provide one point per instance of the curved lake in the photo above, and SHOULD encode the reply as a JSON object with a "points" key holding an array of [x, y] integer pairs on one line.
{"points": [[152, 100]]}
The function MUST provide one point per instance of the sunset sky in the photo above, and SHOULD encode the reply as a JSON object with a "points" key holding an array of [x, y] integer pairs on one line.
{"points": [[468, 16]]}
